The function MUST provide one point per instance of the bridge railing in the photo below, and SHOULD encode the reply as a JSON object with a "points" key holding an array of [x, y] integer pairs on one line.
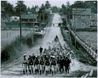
{"points": [[83, 44]]}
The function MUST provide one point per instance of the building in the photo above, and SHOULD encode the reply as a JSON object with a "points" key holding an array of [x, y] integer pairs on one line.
{"points": [[29, 19], [93, 20], [14, 18], [81, 18]]}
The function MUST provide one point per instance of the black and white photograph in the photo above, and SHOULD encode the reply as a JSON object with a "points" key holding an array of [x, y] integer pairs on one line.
{"points": [[48, 39]]}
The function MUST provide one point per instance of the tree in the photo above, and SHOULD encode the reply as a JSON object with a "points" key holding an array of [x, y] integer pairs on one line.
{"points": [[68, 4], [69, 11], [64, 9], [37, 8], [41, 13], [42, 9], [47, 5], [7, 8], [21, 7], [55, 9], [63, 6], [29, 9], [86, 4], [79, 4], [33, 9]]}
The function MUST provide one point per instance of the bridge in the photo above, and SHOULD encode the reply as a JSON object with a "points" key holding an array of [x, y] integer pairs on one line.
{"points": [[83, 44]]}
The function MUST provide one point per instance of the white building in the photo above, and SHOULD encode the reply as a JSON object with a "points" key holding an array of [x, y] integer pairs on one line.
{"points": [[81, 17], [14, 18]]}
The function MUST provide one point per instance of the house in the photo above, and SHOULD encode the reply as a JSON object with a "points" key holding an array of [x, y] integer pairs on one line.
{"points": [[81, 18], [29, 19], [93, 20]]}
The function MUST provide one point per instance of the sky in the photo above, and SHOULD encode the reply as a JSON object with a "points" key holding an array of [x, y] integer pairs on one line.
{"points": [[31, 3]]}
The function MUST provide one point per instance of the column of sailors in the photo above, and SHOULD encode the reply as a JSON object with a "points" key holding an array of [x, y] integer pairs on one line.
{"points": [[50, 61]]}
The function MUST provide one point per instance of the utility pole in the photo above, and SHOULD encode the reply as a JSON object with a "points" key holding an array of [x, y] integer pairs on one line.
{"points": [[43, 17], [69, 28], [75, 31], [74, 26], [20, 24], [75, 36]]}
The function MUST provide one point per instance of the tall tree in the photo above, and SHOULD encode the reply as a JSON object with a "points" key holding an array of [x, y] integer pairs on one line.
{"points": [[42, 9], [7, 8], [47, 5], [78, 4], [86, 4], [21, 7], [64, 9], [33, 9], [41, 13], [69, 10], [68, 4], [55, 9]]}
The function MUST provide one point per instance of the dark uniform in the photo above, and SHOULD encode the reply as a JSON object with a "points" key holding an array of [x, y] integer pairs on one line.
{"points": [[61, 62], [67, 64], [30, 63], [25, 65], [40, 49]]}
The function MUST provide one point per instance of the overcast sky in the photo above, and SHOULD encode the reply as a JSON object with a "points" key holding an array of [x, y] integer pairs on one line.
{"points": [[31, 3]]}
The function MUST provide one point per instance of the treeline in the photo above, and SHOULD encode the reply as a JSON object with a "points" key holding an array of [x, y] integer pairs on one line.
{"points": [[43, 12], [67, 9], [10, 10], [86, 4]]}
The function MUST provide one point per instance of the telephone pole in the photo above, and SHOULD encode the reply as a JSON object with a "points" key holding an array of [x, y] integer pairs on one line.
{"points": [[20, 24]]}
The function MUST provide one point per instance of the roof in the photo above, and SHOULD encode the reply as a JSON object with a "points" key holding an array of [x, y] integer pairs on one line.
{"points": [[29, 16], [81, 11]]}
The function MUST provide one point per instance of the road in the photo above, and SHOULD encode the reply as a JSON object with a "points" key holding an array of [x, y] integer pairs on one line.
{"points": [[14, 69]]}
